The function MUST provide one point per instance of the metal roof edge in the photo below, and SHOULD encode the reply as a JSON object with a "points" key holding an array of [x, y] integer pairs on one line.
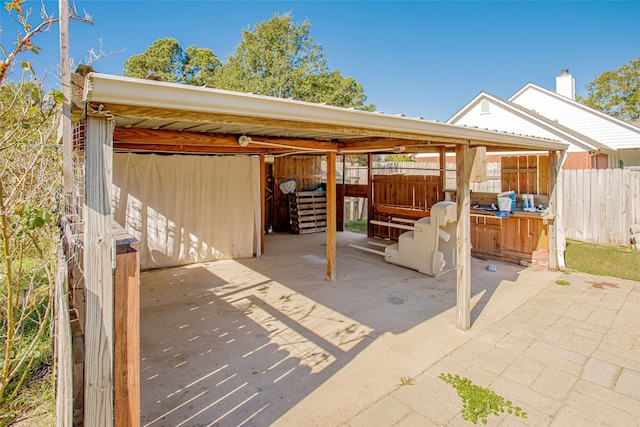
{"points": [[105, 88]]}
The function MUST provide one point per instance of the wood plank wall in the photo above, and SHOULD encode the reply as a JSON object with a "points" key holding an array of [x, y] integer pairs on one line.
{"points": [[525, 174], [404, 196], [306, 170]]}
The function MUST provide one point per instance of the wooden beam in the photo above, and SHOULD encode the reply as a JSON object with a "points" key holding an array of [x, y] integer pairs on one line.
{"points": [[98, 385], [151, 113], [331, 217], [463, 247], [415, 141], [552, 230], [206, 139], [126, 334], [120, 146]]}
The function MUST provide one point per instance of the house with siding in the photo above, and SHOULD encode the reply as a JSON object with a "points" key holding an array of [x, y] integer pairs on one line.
{"points": [[596, 140]]}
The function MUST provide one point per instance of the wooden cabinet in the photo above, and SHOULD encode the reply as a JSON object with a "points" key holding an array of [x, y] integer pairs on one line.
{"points": [[512, 239]]}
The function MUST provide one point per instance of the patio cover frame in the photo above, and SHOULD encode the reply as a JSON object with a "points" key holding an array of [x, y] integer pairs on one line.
{"points": [[150, 116]]}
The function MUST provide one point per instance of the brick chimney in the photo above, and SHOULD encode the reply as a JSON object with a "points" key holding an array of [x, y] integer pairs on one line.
{"points": [[566, 85]]}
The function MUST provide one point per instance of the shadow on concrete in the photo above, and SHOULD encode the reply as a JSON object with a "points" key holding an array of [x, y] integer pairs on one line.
{"points": [[241, 342]]}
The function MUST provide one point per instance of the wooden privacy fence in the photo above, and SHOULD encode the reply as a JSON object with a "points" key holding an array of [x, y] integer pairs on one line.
{"points": [[403, 196], [355, 207], [600, 205]]}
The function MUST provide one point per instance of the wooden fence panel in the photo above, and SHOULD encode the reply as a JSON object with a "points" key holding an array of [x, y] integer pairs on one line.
{"points": [[600, 205], [632, 201]]}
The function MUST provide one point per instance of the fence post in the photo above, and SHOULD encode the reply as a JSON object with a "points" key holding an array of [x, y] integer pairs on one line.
{"points": [[126, 334], [64, 359], [552, 229]]}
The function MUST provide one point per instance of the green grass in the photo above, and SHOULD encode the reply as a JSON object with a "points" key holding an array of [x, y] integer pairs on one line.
{"points": [[357, 226], [620, 262], [36, 403]]}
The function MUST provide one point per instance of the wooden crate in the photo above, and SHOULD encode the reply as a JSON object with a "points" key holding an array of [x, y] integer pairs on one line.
{"points": [[308, 211]]}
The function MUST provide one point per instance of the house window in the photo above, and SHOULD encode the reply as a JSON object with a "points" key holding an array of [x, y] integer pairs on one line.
{"points": [[484, 107]]}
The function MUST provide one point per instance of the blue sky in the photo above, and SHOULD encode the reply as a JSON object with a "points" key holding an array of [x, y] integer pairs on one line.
{"points": [[418, 58]]}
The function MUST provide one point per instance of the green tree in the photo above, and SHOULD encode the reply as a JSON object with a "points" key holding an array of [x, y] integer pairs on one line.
{"points": [[616, 92], [199, 66], [166, 59], [162, 59], [279, 58]]}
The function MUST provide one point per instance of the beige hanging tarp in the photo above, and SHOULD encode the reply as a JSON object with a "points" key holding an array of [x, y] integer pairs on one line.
{"points": [[186, 209]]}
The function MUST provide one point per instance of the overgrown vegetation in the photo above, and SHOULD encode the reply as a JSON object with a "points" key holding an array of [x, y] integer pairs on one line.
{"points": [[620, 262], [29, 181], [29, 198], [478, 402], [359, 226]]}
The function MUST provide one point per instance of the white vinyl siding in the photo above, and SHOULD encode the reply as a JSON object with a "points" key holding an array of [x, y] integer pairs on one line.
{"points": [[506, 121], [573, 116]]}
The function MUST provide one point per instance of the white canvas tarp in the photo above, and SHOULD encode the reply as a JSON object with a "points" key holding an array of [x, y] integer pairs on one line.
{"points": [[185, 209]]}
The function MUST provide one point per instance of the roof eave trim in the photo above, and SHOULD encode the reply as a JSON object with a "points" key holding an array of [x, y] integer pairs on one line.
{"points": [[106, 89]]}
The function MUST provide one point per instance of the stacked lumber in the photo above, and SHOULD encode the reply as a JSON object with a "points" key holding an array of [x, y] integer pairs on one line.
{"points": [[308, 211]]}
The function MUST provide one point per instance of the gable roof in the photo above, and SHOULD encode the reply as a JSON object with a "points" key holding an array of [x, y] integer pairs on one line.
{"points": [[575, 104], [559, 131]]}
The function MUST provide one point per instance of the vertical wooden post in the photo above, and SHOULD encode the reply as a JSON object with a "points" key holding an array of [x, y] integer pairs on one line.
{"points": [[443, 172], [552, 229], [65, 123], [463, 247], [263, 201], [369, 195], [340, 198], [331, 216], [98, 240], [126, 334]]}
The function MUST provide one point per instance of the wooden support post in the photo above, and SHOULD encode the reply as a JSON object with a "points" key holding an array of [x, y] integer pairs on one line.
{"points": [[65, 123], [340, 197], [443, 173], [552, 224], [331, 216], [263, 201], [463, 247], [369, 195], [126, 333], [98, 380]]}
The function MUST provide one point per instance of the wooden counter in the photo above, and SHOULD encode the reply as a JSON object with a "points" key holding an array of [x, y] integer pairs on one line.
{"points": [[511, 239]]}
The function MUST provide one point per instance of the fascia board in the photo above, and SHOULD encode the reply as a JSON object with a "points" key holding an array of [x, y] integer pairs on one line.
{"points": [[464, 110]]}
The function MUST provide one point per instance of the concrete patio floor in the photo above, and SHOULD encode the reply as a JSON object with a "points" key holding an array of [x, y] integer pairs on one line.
{"points": [[268, 341]]}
